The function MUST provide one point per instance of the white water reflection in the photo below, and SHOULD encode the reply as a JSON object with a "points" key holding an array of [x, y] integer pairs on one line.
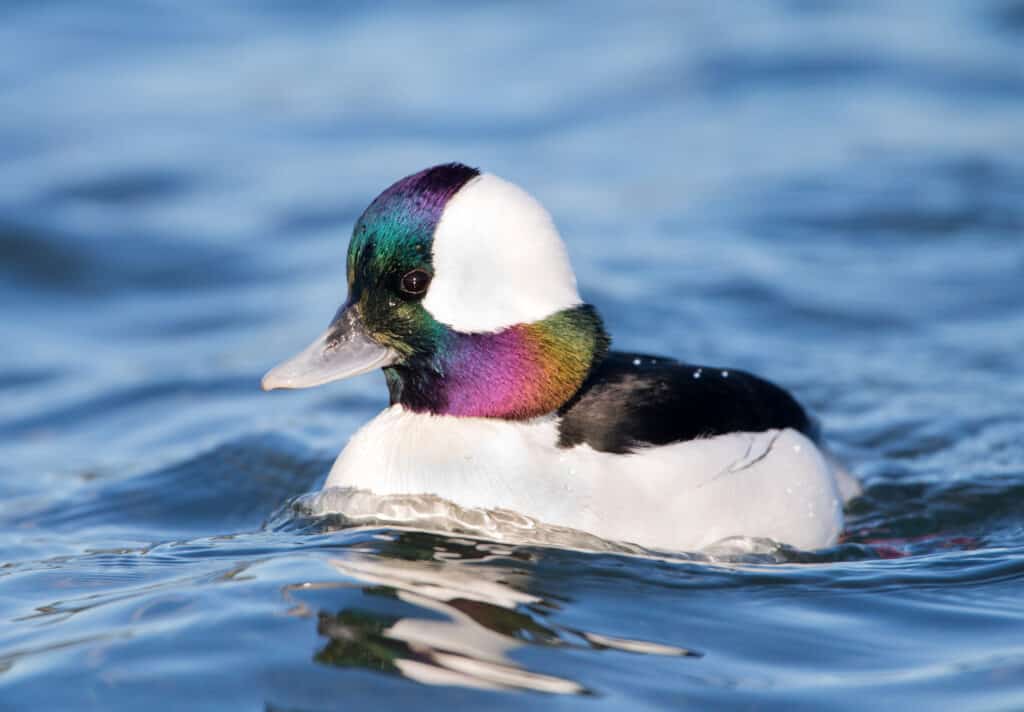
{"points": [[469, 622]]}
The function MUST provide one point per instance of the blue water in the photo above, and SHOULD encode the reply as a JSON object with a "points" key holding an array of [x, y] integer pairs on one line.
{"points": [[827, 193]]}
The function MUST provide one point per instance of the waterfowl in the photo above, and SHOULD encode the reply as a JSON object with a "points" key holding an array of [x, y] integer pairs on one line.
{"points": [[504, 393]]}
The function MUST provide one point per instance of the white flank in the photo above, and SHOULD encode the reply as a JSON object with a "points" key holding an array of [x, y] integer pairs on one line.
{"points": [[681, 497]]}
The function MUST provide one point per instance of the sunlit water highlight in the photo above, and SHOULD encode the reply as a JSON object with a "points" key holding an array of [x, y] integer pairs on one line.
{"points": [[825, 193]]}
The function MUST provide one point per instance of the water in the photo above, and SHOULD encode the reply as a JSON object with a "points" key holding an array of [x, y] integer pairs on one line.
{"points": [[825, 193]]}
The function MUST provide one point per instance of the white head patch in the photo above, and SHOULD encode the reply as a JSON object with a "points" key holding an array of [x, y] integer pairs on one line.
{"points": [[498, 260]]}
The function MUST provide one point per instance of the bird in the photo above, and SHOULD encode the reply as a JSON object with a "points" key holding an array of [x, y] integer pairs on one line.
{"points": [[505, 393]]}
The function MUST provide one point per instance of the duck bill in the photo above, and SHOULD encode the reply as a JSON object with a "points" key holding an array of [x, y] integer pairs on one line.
{"points": [[344, 350]]}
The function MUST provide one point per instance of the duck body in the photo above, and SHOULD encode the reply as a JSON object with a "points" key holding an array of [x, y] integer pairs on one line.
{"points": [[505, 395], [683, 496]]}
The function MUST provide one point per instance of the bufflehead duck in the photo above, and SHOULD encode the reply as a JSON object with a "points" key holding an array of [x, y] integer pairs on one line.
{"points": [[505, 395]]}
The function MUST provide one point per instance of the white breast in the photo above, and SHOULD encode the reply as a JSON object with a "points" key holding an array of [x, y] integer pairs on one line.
{"points": [[684, 497]]}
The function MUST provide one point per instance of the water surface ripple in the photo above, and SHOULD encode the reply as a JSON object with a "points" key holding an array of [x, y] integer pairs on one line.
{"points": [[826, 193]]}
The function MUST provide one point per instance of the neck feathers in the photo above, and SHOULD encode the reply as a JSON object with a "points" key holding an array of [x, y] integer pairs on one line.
{"points": [[521, 372]]}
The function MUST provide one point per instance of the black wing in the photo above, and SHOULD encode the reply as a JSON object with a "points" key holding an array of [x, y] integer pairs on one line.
{"points": [[631, 400]]}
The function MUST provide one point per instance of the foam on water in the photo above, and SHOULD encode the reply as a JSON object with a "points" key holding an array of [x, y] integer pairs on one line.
{"points": [[349, 507]]}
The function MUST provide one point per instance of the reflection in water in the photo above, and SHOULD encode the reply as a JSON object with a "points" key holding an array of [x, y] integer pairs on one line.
{"points": [[450, 620]]}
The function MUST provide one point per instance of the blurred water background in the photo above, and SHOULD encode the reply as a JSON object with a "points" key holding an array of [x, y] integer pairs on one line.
{"points": [[827, 193]]}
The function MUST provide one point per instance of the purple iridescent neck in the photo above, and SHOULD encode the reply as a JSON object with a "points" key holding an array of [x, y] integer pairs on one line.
{"points": [[521, 372]]}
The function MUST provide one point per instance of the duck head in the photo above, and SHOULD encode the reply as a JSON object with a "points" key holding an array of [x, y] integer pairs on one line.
{"points": [[460, 288]]}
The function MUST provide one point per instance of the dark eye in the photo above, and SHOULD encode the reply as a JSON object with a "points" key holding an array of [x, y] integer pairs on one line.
{"points": [[415, 282]]}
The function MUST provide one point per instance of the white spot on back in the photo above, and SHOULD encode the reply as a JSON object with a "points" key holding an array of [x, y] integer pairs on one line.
{"points": [[498, 260]]}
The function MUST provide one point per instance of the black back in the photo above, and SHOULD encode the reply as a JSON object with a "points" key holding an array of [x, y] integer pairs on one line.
{"points": [[632, 400]]}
